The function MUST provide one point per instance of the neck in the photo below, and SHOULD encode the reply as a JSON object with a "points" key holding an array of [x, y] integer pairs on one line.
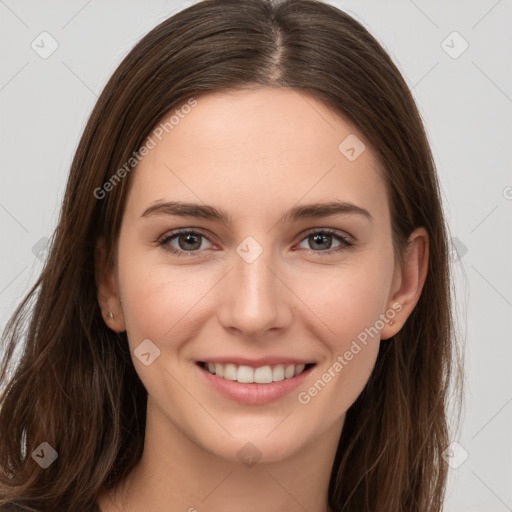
{"points": [[175, 473]]}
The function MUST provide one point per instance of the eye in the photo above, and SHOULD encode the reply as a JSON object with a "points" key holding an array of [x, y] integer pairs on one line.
{"points": [[188, 242], [322, 239]]}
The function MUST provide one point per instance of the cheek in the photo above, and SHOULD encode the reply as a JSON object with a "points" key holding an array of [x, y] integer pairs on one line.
{"points": [[352, 351], [154, 297], [161, 302], [349, 302], [157, 305]]}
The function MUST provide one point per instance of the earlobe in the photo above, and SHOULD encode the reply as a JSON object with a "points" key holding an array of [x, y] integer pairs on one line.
{"points": [[107, 291], [409, 282]]}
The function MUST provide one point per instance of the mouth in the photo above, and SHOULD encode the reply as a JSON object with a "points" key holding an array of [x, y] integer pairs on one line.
{"points": [[254, 383], [245, 374]]}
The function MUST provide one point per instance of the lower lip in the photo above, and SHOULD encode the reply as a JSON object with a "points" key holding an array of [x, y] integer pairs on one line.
{"points": [[254, 394]]}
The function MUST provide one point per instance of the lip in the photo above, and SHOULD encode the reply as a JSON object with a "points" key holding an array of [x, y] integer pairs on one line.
{"points": [[253, 394]]}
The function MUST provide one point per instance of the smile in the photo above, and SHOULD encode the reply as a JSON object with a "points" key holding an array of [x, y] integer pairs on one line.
{"points": [[261, 375]]}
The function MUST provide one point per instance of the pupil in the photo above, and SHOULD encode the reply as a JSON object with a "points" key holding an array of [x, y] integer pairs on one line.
{"points": [[319, 239], [189, 239]]}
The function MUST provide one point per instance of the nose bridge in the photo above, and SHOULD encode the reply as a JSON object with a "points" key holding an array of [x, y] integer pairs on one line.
{"points": [[254, 300]]}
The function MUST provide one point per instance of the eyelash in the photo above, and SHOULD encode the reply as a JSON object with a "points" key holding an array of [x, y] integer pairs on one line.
{"points": [[163, 241]]}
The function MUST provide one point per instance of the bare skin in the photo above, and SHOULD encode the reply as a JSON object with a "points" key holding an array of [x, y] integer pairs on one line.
{"points": [[255, 154]]}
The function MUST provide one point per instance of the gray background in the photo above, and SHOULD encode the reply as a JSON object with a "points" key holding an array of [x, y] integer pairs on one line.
{"points": [[465, 99]]}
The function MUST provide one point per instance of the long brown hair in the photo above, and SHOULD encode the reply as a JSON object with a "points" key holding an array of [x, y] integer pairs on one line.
{"points": [[73, 384]]}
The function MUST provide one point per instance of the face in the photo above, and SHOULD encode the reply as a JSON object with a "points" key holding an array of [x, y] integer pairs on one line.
{"points": [[268, 289]]}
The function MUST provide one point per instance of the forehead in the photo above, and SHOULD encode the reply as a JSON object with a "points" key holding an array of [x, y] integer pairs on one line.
{"points": [[255, 150]]}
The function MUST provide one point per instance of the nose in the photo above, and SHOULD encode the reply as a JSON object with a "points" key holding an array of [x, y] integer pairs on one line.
{"points": [[254, 298]]}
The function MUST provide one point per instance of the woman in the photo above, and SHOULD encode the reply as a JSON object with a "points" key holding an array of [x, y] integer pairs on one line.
{"points": [[295, 356]]}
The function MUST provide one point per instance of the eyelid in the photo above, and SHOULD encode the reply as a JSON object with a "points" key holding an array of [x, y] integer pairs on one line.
{"points": [[329, 231], [170, 234], [346, 240]]}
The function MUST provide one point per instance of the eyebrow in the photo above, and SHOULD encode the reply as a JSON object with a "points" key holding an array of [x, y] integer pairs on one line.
{"points": [[296, 213]]}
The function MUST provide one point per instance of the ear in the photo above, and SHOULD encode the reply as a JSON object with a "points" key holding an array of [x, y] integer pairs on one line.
{"points": [[408, 282], [106, 286]]}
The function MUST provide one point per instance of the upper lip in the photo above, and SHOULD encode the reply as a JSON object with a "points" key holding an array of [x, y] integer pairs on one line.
{"points": [[256, 363]]}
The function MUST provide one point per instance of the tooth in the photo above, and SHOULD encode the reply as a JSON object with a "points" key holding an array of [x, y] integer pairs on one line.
{"points": [[230, 372], [278, 373], [245, 374], [263, 375], [299, 368], [289, 371]]}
